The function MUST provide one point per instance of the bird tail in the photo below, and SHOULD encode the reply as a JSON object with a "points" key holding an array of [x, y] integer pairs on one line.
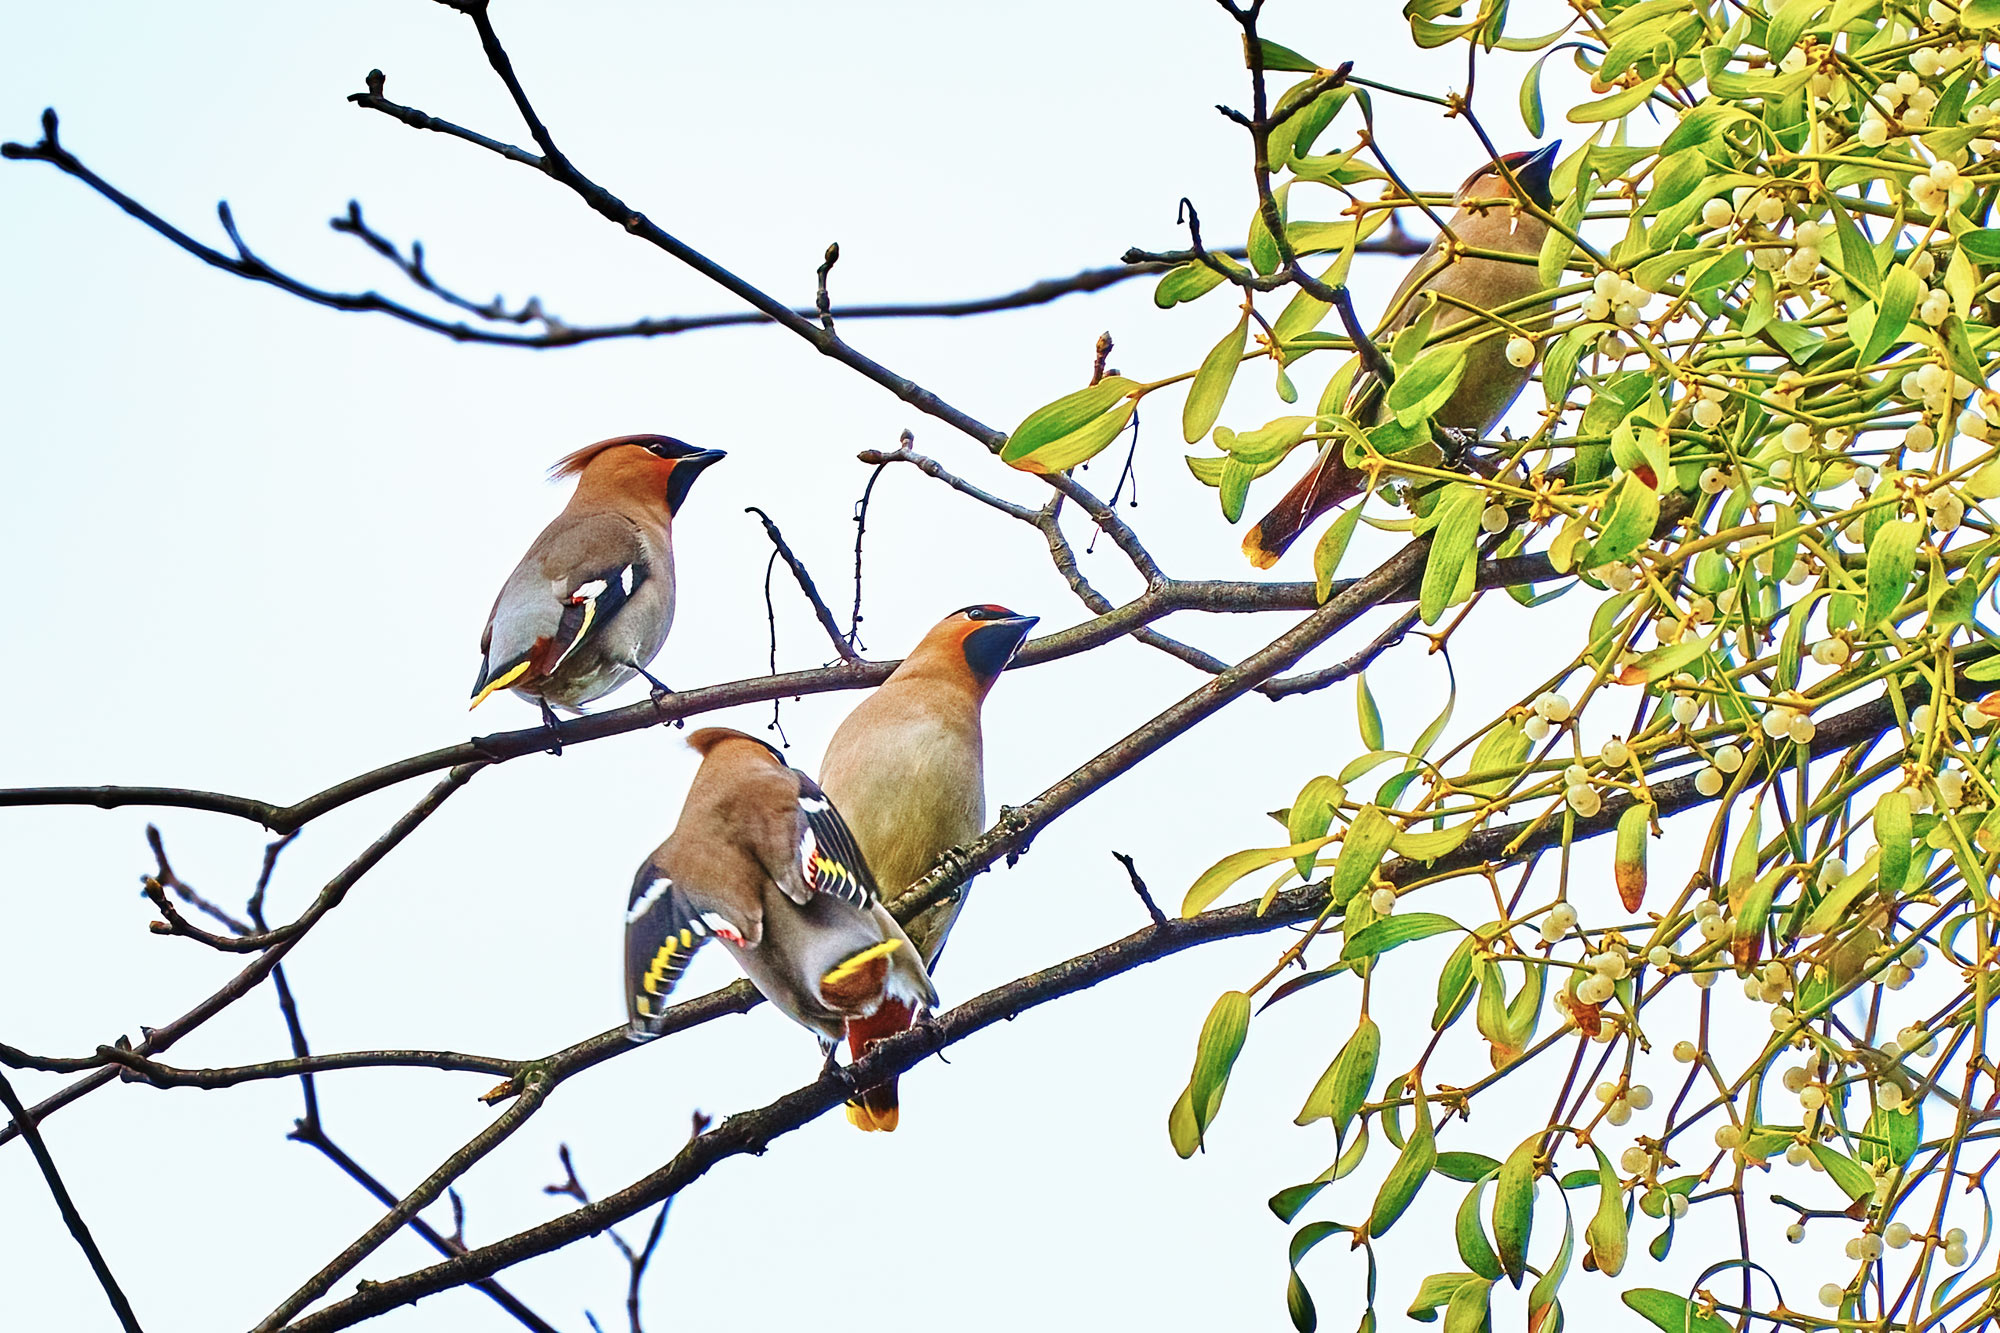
{"points": [[1330, 482], [876, 1108]]}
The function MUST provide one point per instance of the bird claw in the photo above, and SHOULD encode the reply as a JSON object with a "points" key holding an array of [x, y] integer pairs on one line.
{"points": [[554, 728], [934, 1032], [661, 690]]}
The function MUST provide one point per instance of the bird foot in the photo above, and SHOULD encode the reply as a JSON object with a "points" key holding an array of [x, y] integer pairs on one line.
{"points": [[934, 1033], [553, 727], [661, 690]]}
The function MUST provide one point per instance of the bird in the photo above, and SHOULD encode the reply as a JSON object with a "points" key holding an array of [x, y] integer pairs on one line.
{"points": [[907, 765], [589, 605], [761, 860], [1488, 218]]}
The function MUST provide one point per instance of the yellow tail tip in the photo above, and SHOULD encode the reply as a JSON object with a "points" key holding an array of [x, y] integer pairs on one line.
{"points": [[499, 683], [1253, 550], [868, 1122]]}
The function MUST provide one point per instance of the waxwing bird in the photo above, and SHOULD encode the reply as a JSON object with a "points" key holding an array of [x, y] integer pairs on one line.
{"points": [[588, 607], [762, 861], [908, 767], [1489, 219]]}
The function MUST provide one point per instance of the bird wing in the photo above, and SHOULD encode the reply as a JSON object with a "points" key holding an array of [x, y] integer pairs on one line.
{"points": [[573, 580], [829, 856], [663, 930]]}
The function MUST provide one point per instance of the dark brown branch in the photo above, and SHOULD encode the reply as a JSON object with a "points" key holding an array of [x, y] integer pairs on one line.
{"points": [[554, 332], [228, 1076], [806, 585], [160, 1038], [753, 1131], [535, 1088], [31, 1130], [1166, 598], [823, 303]]}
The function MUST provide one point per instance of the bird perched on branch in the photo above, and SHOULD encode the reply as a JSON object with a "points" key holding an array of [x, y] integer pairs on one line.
{"points": [[762, 861], [908, 768], [588, 607], [1488, 218]]}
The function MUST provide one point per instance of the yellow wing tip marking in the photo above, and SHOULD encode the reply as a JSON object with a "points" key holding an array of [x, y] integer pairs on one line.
{"points": [[657, 970], [848, 967], [500, 683]]}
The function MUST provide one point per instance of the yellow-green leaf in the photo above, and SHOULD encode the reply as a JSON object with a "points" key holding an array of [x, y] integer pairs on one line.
{"points": [[1514, 1208], [1607, 1235], [1892, 554], [1428, 384], [1378, 937], [1893, 832], [1215, 1055], [1634, 510], [1332, 546], [1361, 851], [1454, 543], [1629, 862], [1407, 1176], [1344, 1086], [1312, 814], [1212, 381], [1065, 416], [1216, 880]]}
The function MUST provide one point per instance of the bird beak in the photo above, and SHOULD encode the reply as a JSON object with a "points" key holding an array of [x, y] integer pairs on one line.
{"points": [[993, 643], [685, 471], [1534, 173]]}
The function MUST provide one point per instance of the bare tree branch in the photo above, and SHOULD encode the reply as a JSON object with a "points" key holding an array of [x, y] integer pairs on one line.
{"points": [[160, 1038], [806, 586], [31, 1130]]}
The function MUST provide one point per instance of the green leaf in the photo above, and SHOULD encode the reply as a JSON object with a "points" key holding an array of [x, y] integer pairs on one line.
{"points": [[1514, 1208], [1851, 1176], [1469, 1311], [1659, 663], [1634, 510], [1472, 1243], [1186, 283], [1831, 911], [1217, 878], [1312, 814], [1542, 1297], [1531, 98], [1469, 1167], [1215, 1054], [1370, 715], [1628, 862], [1607, 1235], [1407, 1176], [1900, 1130], [1983, 244], [1304, 1318], [1893, 833], [1212, 381], [1428, 384], [1454, 542], [1344, 1086], [1065, 417], [1671, 1313], [1892, 554], [1437, 1290], [1899, 301], [1429, 846], [1788, 24], [1980, 14], [1332, 546], [1379, 937], [1455, 987], [1283, 58], [1360, 852]]}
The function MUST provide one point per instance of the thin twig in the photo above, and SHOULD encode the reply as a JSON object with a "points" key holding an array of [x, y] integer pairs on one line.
{"points": [[72, 1219], [806, 585], [1139, 887]]}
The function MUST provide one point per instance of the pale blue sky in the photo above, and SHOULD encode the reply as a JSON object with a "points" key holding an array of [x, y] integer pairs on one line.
{"points": [[249, 544]]}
